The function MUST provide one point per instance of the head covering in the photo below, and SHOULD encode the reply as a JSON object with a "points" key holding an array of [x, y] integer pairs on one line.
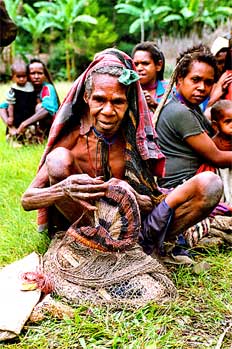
{"points": [[141, 145], [219, 43], [145, 134]]}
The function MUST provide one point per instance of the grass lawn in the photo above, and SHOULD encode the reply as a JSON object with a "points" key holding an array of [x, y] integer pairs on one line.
{"points": [[196, 319]]}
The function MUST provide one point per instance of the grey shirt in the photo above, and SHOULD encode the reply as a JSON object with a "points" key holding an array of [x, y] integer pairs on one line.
{"points": [[177, 122]]}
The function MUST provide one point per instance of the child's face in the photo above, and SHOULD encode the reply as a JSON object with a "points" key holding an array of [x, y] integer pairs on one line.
{"points": [[221, 60], [224, 125], [146, 67], [20, 77]]}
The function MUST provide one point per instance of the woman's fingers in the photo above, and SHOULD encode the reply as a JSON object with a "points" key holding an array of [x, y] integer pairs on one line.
{"points": [[87, 205], [84, 179], [86, 196], [87, 188], [83, 198], [84, 189]]}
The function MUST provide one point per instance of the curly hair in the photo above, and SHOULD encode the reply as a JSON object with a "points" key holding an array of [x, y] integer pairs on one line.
{"points": [[156, 55], [199, 53]]}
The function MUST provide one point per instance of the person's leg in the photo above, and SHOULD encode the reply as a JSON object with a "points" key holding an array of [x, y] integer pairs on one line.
{"points": [[60, 165], [183, 207], [193, 201]]}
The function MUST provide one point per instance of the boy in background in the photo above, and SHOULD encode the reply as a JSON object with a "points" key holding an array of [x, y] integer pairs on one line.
{"points": [[221, 118]]}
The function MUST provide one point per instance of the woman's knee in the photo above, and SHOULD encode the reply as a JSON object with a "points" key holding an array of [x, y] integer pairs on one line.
{"points": [[208, 187], [59, 163]]}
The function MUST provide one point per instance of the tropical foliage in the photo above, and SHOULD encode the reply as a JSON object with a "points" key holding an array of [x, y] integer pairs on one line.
{"points": [[70, 32], [63, 15], [173, 16]]}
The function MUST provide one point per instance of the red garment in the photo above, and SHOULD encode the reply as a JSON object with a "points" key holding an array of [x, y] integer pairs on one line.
{"points": [[206, 167]]}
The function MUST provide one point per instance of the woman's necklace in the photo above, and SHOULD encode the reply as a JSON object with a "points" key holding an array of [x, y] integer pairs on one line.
{"points": [[103, 145], [106, 140]]}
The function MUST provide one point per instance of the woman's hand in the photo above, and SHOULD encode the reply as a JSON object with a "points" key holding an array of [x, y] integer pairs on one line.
{"points": [[12, 130], [150, 100], [21, 128], [144, 201], [83, 189], [220, 87]]}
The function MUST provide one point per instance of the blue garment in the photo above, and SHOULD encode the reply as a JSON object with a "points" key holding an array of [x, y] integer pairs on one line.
{"points": [[49, 98], [204, 104], [160, 90], [155, 227], [4, 105]]}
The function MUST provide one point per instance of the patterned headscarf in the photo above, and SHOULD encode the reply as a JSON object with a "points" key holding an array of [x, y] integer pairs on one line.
{"points": [[144, 159]]}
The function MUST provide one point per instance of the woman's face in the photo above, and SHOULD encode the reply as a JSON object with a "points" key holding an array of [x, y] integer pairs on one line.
{"points": [[196, 86], [36, 73], [146, 67], [107, 104]]}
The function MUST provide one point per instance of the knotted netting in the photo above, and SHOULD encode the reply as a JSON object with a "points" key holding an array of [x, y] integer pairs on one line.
{"points": [[103, 263]]}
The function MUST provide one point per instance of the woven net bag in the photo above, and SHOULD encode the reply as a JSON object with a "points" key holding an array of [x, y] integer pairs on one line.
{"points": [[103, 264]]}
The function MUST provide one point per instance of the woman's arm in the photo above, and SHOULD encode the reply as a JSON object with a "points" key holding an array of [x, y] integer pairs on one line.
{"points": [[203, 145], [39, 115], [219, 89], [79, 187], [4, 115]]}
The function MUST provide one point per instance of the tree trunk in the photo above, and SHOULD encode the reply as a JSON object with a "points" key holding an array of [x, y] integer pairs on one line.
{"points": [[68, 65], [142, 30]]}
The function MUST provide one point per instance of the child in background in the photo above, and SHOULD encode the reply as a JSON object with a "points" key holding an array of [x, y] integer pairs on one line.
{"points": [[222, 51], [20, 100], [221, 118], [150, 65]]}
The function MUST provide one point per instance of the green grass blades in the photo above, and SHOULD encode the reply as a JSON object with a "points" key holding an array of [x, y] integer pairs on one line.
{"points": [[196, 319]]}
